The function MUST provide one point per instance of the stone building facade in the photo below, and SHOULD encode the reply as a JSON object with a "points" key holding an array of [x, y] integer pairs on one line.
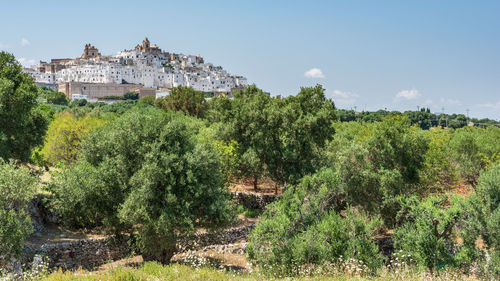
{"points": [[95, 91], [90, 52]]}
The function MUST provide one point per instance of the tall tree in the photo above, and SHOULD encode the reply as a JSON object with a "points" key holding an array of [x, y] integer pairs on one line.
{"points": [[22, 124]]}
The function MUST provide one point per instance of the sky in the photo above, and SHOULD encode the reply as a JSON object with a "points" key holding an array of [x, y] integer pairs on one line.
{"points": [[368, 55]]}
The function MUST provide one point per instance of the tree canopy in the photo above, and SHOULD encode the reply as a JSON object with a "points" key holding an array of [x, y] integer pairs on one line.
{"points": [[22, 123]]}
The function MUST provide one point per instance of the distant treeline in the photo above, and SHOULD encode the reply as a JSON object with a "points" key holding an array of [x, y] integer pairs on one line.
{"points": [[424, 118]]}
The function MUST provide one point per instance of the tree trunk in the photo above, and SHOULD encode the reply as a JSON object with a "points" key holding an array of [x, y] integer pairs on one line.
{"points": [[255, 184], [276, 189]]}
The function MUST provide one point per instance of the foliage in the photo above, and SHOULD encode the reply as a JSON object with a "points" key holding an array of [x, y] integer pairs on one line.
{"points": [[226, 150], [439, 170], [380, 161], [17, 187], [111, 98], [88, 196], [64, 137], [422, 118], [488, 220], [180, 186], [306, 227], [298, 138], [57, 98], [131, 96], [473, 149], [78, 102], [149, 100], [22, 123], [429, 230], [279, 138], [184, 99], [146, 170], [249, 213]]}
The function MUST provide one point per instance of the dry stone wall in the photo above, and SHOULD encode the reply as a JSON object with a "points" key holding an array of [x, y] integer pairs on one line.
{"points": [[254, 200], [84, 253], [92, 252], [199, 240]]}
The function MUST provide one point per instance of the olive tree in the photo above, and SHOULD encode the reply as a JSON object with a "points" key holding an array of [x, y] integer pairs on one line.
{"points": [[180, 186], [277, 138], [148, 173]]}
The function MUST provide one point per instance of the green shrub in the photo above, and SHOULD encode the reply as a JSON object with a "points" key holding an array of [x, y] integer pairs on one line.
{"points": [[439, 170], [57, 98], [473, 149], [488, 193], [252, 213], [380, 161], [304, 227], [64, 137], [131, 96], [87, 196], [430, 230], [17, 187]]}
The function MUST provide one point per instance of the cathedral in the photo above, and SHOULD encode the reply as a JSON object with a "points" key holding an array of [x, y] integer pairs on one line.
{"points": [[146, 47]]}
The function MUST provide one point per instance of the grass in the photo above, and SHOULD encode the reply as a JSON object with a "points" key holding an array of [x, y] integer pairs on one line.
{"points": [[154, 271], [249, 213]]}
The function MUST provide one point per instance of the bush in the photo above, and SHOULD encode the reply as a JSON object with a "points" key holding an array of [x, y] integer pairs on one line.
{"points": [[381, 161], [64, 137], [17, 187], [77, 103], [488, 193], [474, 149], [305, 227], [131, 96], [439, 171], [57, 98], [184, 99], [87, 196], [429, 231]]}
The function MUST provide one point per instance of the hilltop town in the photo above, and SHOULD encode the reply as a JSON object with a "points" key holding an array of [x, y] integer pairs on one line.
{"points": [[146, 69]]}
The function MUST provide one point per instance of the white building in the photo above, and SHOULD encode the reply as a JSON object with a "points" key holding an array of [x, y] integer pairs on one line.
{"points": [[146, 65]]}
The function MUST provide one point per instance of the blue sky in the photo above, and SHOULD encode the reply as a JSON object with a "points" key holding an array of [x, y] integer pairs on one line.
{"points": [[367, 54]]}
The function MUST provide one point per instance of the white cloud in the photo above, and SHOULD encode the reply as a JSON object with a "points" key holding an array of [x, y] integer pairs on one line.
{"points": [[408, 94], [314, 73], [26, 62], [450, 101], [344, 98], [495, 106], [25, 42], [428, 102]]}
